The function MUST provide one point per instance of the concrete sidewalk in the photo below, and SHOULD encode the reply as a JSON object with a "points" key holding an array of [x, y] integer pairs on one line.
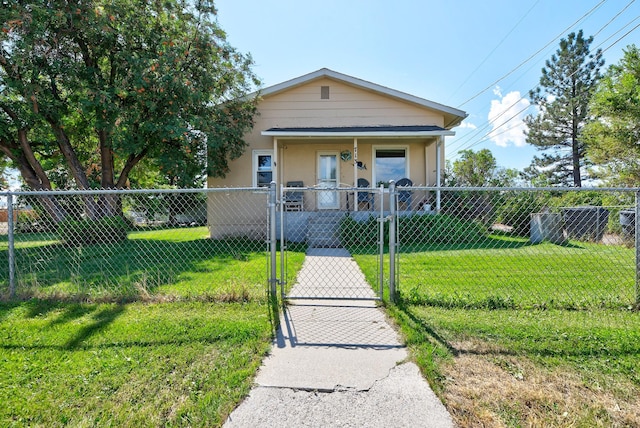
{"points": [[338, 364]]}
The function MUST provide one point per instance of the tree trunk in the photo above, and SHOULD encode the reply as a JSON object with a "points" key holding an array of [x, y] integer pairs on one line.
{"points": [[92, 209], [33, 180], [110, 205], [575, 148]]}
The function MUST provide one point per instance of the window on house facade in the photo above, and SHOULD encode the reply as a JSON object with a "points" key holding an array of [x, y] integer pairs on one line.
{"points": [[262, 167], [390, 164]]}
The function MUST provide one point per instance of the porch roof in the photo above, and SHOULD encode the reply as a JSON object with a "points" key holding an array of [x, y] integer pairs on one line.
{"points": [[411, 131]]}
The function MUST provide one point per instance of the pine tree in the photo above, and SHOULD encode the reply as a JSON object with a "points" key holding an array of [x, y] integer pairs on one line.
{"points": [[562, 96]]}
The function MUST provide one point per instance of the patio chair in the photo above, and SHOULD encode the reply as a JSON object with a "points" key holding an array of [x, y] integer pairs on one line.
{"points": [[366, 196], [404, 196], [293, 199]]}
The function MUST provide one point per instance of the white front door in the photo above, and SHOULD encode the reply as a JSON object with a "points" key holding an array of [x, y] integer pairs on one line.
{"points": [[328, 178]]}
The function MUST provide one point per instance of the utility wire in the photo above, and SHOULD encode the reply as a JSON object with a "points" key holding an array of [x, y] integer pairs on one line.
{"points": [[494, 49], [534, 55], [489, 134], [614, 18], [480, 130]]}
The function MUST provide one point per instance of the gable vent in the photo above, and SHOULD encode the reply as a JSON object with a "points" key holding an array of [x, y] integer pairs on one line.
{"points": [[324, 92]]}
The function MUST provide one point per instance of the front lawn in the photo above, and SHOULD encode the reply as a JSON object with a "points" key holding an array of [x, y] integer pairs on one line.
{"points": [[514, 334], [165, 329], [552, 368], [163, 264], [136, 364], [510, 272]]}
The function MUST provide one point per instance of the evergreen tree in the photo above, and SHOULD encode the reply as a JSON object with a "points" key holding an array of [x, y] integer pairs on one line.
{"points": [[562, 96]]}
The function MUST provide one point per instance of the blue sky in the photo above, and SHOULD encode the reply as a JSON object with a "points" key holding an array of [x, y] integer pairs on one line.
{"points": [[444, 51]]}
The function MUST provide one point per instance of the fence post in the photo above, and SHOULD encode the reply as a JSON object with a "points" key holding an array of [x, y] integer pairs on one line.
{"points": [[11, 242], [272, 240], [392, 241], [637, 246], [282, 244], [381, 243]]}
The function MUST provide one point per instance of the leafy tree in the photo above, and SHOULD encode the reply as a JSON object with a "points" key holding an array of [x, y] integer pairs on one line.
{"points": [[614, 138], [567, 82], [4, 169], [92, 90], [478, 169]]}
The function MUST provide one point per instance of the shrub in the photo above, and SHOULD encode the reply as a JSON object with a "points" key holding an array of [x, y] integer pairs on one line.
{"points": [[517, 209], [359, 233], [412, 230], [439, 229], [106, 230]]}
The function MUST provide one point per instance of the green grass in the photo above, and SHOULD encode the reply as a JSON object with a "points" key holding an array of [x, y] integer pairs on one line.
{"points": [[165, 329], [505, 272], [548, 363], [137, 364], [179, 263], [514, 334]]}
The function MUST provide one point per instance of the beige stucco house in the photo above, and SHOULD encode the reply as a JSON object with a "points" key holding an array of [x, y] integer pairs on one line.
{"points": [[328, 129]]}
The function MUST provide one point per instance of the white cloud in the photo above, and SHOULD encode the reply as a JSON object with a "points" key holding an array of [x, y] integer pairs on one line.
{"points": [[507, 119], [467, 125]]}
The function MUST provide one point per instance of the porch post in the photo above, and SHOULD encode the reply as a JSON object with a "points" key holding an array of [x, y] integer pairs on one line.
{"points": [[355, 173], [438, 172], [426, 163], [276, 173]]}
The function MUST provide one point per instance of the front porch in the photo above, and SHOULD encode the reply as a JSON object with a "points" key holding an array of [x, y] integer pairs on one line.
{"points": [[321, 229], [350, 159]]}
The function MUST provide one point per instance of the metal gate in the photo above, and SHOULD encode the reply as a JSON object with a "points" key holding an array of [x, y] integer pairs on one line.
{"points": [[330, 238]]}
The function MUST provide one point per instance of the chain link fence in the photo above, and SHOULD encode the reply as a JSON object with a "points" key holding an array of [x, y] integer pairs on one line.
{"points": [[496, 248], [136, 244], [519, 248]]}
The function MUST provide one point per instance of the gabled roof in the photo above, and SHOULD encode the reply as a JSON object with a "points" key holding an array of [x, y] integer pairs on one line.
{"points": [[453, 116]]}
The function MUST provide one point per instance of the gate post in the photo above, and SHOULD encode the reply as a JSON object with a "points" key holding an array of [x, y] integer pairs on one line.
{"points": [[272, 240], [11, 242], [392, 241]]}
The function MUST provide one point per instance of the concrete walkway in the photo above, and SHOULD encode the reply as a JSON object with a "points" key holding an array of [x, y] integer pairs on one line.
{"points": [[337, 364]]}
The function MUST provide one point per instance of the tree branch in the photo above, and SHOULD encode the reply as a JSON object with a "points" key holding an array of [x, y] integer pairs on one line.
{"points": [[132, 161]]}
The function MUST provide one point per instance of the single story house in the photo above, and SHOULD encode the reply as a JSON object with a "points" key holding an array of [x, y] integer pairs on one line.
{"points": [[330, 130]]}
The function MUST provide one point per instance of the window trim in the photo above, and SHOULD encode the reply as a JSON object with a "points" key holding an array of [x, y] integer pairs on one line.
{"points": [[374, 150], [254, 165]]}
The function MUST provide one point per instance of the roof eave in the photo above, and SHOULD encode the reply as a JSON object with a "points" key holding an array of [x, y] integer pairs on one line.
{"points": [[352, 134]]}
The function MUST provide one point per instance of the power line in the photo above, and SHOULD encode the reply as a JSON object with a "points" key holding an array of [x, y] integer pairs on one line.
{"points": [[614, 18], [471, 136], [494, 49], [535, 54]]}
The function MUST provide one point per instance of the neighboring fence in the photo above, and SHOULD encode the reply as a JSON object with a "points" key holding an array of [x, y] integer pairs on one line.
{"points": [[518, 247]]}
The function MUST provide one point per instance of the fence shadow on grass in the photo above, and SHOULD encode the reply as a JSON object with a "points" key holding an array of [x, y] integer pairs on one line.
{"points": [[135, 267], [100, 320]]}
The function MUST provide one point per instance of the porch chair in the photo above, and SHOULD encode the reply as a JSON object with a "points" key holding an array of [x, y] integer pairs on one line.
{"points": [[404, 196], [367, 196], [293, 199]]}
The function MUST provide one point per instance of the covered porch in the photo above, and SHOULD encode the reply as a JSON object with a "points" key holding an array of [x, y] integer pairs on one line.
{"points": [[353, 158]]}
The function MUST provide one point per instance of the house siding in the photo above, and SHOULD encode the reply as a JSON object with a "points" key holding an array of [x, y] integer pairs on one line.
{"points": [[347, 106]]}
